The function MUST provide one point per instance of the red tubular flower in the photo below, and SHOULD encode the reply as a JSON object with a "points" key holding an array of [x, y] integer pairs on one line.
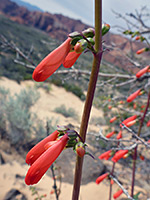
{"points": [[148, 123], [70, 59], [141, 51], [119, 136], [41, 165], [101, 178], [117, 194], [51, 62], [129, 119], [131, 123], [110, 134], [133, 96], [39, 148], [113, 119], [142, 71], [105, 155], [119, 154]]}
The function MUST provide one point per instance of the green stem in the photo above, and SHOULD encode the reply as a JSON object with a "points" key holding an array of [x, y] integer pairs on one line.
{"points": [[90, 94]]}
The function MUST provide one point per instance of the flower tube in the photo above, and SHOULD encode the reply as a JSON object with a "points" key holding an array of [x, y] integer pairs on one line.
{"points": [[41, 165], [39, 148], [133, 96], [51, 62], [101, 178]]}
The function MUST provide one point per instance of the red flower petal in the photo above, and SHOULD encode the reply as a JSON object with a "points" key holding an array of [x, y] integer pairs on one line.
{"points": [[39, 148], [71, 59], [128, 120], [51, 62], [41, 165], [110, 134], [101, 178], [142, 71], [105, 154], [119, 154], [133, 96], [117, 194]]}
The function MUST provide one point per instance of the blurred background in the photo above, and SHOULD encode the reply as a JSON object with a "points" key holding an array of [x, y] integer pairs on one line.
{"points": [[29, 111]]}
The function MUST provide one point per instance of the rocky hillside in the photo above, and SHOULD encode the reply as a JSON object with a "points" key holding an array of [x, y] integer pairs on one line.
{"points": [[58, 26]]}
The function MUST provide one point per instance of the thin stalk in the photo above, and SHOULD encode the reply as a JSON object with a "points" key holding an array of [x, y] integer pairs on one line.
{"points": [[135, 150], [110, 188], [90, 94]]}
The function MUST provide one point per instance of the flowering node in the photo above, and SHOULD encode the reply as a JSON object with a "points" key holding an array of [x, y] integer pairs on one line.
{"points": [[105, 29]]}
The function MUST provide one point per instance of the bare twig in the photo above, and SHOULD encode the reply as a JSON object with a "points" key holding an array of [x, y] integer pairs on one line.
{"points": [[119, 184]]}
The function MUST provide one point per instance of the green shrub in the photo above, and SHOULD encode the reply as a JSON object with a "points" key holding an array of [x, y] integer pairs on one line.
{"points": [[70, 112]]}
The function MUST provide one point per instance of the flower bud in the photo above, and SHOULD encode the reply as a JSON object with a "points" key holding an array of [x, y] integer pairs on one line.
{"points": [[80, 46], [105, 29], [142, 50], [80, 149], [113, 119], [90, 32]]}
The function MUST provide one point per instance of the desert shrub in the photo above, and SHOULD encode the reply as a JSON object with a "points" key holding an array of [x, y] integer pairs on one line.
{"points": [[75, 89], [45, 86], [17, 122], [3, 98], [18, 114], [70, 112]]}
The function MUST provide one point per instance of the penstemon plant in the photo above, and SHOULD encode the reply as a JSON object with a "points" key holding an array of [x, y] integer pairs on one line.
{"points": [[42, 155]]}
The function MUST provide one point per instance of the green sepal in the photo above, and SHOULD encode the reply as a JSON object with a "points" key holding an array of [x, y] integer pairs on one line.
{"points": [[105, 29], [75, 40], [90, 32], [128, 32], [135, 33], [91, 40], [74, 34]]}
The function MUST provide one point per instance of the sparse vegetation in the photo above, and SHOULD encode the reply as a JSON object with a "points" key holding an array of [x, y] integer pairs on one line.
{"points": [[70, 112]]}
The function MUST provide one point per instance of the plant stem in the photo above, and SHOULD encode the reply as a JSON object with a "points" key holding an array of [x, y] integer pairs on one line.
{"points": [[135, 150], [90, 94], [110, 188]]}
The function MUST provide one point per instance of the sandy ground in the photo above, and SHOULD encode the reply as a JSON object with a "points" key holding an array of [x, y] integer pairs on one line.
{"points": [[58, 96]]}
